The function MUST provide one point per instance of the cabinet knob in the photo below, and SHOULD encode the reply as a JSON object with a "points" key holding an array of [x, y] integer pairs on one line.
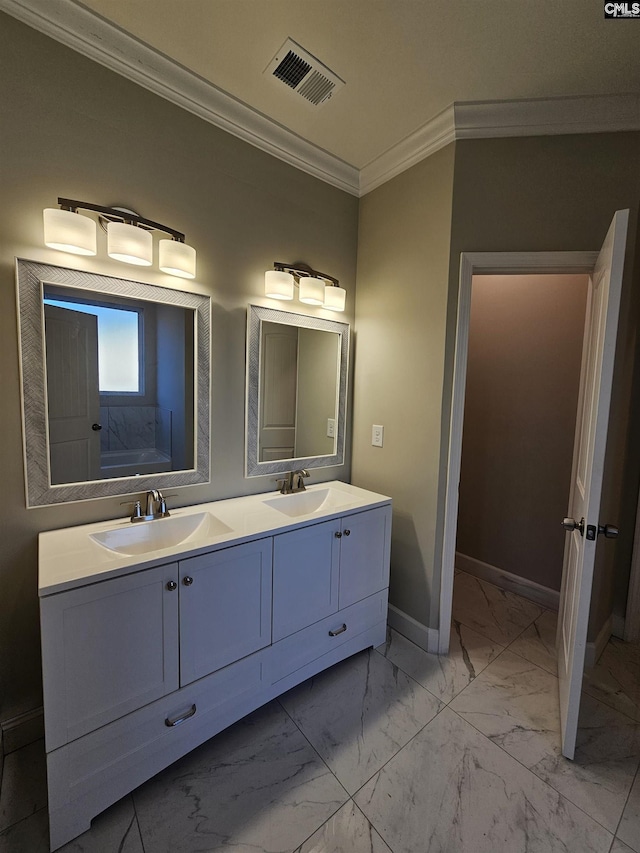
{"points": [[347, 533], [187, 581], [172, 585], [338, 535]]}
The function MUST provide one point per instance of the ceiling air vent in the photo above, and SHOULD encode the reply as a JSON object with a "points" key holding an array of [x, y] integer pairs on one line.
{"points": [[304, 74]]}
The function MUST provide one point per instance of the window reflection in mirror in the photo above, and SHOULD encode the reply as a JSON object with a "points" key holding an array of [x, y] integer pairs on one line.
{"points": [[120, 385]]}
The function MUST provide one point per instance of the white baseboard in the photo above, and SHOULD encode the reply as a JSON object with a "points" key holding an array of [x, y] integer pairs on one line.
{"points": [[22, 730], [594, 649], [423, 636], [542, 595]]}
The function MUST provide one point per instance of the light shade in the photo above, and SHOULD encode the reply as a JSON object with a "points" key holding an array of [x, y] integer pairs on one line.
{"points": [[69, 232], [177, 258], [311, 290], [278, 284], [129, 244], [335, 298]]}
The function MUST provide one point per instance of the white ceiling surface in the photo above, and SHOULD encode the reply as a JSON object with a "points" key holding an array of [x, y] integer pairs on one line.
{"points": [[403, 61]]}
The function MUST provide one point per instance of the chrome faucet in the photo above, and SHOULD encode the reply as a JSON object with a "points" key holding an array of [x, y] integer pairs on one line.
{"points": [[155, 507], [293, 482]]}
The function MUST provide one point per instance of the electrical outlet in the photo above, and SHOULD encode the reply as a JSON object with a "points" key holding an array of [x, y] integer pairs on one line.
{"points": [[331, 427], [377, 435]]}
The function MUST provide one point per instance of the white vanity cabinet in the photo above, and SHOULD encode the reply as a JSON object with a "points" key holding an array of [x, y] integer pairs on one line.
{"points": [[144, 664]]}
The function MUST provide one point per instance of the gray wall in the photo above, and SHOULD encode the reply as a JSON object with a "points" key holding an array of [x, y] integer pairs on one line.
{"points": [[403, 266], [523, 377], [72, 128]]}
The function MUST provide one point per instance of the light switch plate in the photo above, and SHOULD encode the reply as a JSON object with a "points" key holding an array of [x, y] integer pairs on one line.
{"points": [[331, 427], [377, 435]]}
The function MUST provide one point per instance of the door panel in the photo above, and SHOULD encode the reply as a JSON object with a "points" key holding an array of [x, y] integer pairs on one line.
{"points": [[306, 567], [111, 648], [364, 555], [72, 394], [225, 607], [279, 384], [591, 435]]}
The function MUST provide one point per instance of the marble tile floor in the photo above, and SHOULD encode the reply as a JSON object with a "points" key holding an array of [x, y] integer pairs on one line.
{"points": [[391, 751]]}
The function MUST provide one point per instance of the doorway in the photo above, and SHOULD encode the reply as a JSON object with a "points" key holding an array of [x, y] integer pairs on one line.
{"points": [[603, 303], [523, 381], [492, 264]]}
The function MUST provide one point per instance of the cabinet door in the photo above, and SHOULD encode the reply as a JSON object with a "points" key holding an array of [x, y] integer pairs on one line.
{"points": [[108, 649], [305, 577], [225, 607], [364, 554]]}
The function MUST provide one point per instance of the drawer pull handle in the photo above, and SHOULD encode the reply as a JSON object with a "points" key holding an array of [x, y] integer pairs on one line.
{"points": [[340, 630], [176, 722]]}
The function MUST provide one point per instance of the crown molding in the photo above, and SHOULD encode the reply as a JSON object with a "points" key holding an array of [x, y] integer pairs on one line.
{"points": [[547, 116], [428, 139], [494, 119], [80, 29]]}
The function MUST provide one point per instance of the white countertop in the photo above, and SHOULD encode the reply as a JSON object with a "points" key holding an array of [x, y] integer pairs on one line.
{"points": [[69, 557]]}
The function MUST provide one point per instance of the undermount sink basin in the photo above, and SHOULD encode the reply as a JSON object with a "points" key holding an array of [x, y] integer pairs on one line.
{"points": [[146, 536], [305, 503]]}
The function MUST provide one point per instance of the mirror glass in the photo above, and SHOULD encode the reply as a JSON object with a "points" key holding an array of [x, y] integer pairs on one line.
{"points": [[296, 391], [115, 384]]}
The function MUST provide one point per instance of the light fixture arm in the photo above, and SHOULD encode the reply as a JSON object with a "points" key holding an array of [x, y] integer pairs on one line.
{"points": [[302, 270], [113, 213]]}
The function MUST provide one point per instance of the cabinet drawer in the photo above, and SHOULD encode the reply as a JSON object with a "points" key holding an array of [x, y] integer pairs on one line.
{"points": [[299, 649], [123, 754]]}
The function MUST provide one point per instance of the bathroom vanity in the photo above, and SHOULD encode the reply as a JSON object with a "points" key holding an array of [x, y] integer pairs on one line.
{"points": [[156, 636]]}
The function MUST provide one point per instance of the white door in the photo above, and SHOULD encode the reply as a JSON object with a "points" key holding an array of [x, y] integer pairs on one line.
{"points": [[278, 383], [584, 504], [73, 395]]}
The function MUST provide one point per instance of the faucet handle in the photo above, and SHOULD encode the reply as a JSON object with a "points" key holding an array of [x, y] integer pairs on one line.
{"points": [[163, 512], [137, 508], [283, 485]]}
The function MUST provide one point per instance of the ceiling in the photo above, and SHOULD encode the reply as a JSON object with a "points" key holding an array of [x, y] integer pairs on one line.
{"points": [[404, 61]]}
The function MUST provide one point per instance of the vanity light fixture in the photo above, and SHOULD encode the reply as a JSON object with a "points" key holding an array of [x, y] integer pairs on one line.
{"points": [[65, 231], [128, 237], [315, 288]]}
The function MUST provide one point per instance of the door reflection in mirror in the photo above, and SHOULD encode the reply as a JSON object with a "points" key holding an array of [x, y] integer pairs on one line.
{"points": [[299, 381], [297, 377]]}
